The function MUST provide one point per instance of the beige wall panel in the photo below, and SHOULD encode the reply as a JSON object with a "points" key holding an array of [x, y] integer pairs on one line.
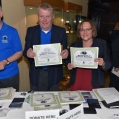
{"points": [[31, 16], [14, 15]]}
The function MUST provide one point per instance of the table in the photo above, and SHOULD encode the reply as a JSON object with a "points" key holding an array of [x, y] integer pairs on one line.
{"points": [[102, 113]]}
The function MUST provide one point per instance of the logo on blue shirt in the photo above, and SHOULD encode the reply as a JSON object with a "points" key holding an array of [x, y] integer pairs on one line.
{"points": [[4, 39]]}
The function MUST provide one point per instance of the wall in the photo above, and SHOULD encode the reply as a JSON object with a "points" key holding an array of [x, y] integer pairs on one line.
{"points": [[84, 4], [31, 14], [14, 15]]}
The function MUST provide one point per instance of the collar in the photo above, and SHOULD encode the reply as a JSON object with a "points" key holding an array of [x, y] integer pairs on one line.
{"points": [[46, 31]]}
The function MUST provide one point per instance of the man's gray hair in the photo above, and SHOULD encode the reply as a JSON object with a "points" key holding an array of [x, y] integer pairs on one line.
{"points": [[47, 7]]}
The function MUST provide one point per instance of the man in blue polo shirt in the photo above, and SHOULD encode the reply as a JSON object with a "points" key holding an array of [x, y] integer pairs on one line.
{"points": [[45, 78], [10, 51]]}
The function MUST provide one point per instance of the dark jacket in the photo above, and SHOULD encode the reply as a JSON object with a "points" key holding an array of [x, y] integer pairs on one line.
{"points": [[55, 72], [114, 46], [97, 74]]}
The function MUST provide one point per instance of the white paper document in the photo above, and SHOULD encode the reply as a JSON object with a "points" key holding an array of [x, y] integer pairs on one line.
{"points": [[114, 72], [48, 54], [110, 95], [114, 116], [3, 112], [84, 57]]}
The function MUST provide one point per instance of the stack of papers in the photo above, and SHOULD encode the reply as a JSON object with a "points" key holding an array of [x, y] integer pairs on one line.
{"points": [[110, 95], [44, 101], [7, 93], [70, 97]]}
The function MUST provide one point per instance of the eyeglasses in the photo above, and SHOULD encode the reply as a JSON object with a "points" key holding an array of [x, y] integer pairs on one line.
{"points": [[87, 30]]}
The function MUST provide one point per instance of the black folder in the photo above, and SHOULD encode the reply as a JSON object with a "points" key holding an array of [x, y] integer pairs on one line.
{"points": [[111, 105], [93, 103], [16, 103], [89, 110]]}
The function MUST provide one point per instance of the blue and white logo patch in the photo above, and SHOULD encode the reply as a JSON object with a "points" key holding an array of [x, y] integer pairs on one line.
{"points": [[4, 39]]}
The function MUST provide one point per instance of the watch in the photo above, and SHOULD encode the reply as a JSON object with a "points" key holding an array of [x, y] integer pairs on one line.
{"points": [[7, 61]]}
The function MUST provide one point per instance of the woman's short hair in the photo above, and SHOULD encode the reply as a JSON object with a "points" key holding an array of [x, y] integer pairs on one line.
{"points": [[116, 26], [47, 7], [94, 31]]}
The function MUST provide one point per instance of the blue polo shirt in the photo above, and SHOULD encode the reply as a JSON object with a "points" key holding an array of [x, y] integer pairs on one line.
{"points": [[9, 44]]}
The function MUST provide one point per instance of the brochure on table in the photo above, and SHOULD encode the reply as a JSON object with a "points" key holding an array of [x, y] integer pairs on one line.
{"points": [[88, 95], [110, 95]]}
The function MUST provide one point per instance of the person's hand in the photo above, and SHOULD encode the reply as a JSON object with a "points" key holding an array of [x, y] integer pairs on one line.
{"points": [[110, 32], [30, 53], [64, 54], [70, 66], [100, 61], [3, 64], [116, 69]]}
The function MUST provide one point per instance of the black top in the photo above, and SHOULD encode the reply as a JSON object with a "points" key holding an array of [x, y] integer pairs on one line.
{"points": [[114, 47]]}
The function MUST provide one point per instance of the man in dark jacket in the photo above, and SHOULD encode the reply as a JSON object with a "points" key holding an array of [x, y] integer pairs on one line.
{"points": [[114, 45], [45, 78]]}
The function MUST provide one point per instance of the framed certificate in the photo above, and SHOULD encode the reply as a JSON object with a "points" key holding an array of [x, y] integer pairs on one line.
{"points": [[70, 97], [42, 99], [48, 54], [6, 93], [49, 106], [84, 57]]}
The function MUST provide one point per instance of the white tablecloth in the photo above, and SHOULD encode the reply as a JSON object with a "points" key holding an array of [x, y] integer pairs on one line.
{"points": [[102, 113]]}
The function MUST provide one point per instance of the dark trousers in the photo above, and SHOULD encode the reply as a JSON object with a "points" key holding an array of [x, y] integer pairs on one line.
{"points": [[43, 83], [114, 81], [10, 82]]}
